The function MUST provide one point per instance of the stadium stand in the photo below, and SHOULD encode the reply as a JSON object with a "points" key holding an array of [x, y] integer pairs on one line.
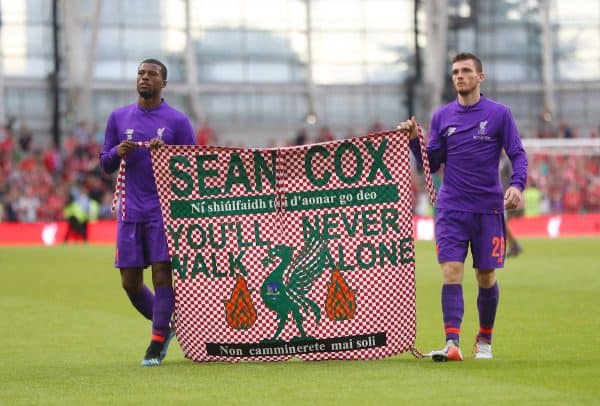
{"points": [[36, 182]]}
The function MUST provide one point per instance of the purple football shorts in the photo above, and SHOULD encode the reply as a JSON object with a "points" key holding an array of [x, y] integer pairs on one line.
{"points": [[455, 230], [140, 244]]}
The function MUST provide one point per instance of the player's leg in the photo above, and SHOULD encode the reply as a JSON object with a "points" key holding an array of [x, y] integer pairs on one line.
{"points": [[84, 230], [79, 230], [451, 245], [510, 238], [164, 302], [157, 254], [161, 318], [129, 259], [487, 305], [512, 245], [453, 306], [488, 253], [141, 297], [452, 310], [70, 230]]}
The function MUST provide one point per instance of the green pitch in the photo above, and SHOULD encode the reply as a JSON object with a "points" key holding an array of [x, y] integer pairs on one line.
{"points": [[70, 336]]}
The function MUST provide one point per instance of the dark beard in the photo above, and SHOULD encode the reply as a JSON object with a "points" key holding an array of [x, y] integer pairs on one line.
{"points": [[147, 94]]}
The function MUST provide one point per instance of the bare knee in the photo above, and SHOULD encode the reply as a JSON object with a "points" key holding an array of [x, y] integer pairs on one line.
{"points": [[453, 272], [486, 278], [132, 280], [161, 275]]}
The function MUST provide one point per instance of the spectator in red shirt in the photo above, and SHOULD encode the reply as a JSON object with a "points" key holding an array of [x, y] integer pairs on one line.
{"points": [[206, 135], [592, 203], [572, 199]]}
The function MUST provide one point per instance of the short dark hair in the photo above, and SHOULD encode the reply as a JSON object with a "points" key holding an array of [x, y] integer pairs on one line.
{"points": [[465, 56], [163, 68]]}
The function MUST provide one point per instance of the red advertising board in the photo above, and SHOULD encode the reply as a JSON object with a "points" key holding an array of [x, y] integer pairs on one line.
{"points": [[103, 232]]}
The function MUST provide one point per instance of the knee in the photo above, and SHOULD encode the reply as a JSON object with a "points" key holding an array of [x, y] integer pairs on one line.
{"points": [[161, 275], [486, 278], [162, 282], [452, 273], [131, 284], [131, 287]]}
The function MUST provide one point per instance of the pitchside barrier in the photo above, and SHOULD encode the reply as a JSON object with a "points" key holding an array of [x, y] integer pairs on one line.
{"points": [[291, 252], [103, 232]]}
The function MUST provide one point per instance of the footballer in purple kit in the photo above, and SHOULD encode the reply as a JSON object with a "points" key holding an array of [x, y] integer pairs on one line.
{"points": [[141, 239], [467, 136]]}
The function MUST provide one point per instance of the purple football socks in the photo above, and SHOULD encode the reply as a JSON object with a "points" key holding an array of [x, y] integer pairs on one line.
{"points": [[453, 308], [487, 303], [164, 304], [143, 301]]}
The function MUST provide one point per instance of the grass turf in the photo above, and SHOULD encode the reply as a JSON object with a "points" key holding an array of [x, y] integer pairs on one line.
{"points": [[71, 336]]}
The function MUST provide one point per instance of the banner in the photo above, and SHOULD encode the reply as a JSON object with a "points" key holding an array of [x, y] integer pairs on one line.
{"points": [[292, 252]]}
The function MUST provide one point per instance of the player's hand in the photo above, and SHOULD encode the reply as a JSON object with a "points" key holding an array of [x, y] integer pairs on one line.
{"points": [[125, 147], [409, 127], [512, 198], [156, 143]]}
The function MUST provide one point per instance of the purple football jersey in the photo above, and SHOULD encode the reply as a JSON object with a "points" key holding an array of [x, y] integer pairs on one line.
{"points": [[134, 123], [469, 140]]}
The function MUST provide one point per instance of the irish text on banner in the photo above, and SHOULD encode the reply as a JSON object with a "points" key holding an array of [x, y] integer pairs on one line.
{"points": [[292, 252]]}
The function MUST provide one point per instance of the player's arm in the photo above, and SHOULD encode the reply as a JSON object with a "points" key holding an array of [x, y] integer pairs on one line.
{"points": [[186, 133], [436, 149], [518, 158], [109, 156]]}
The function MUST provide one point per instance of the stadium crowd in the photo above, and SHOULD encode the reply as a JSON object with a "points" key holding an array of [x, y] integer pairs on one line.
{"points": [[39, 183]]}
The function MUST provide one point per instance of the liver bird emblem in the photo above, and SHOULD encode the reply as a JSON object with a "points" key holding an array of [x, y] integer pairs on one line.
{"points": [[286, 288]]}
